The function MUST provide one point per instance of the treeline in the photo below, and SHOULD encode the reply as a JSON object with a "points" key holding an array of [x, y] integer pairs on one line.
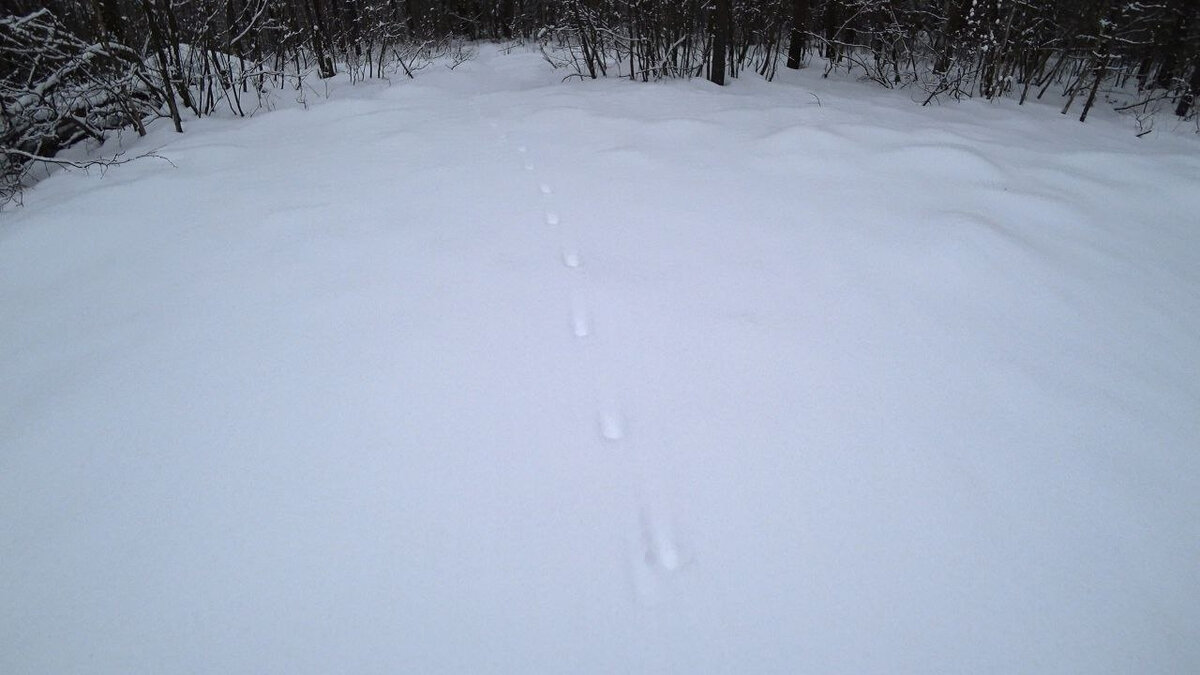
{"points": [[78, 69], [949, 48]]}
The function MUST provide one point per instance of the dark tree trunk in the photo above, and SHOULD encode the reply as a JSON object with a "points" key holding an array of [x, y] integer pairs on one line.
{"points": [[1173, 48], [948, 42], [316, 22], [108, 18], [506, 19], [799, 40], [722, 28], [231, 17], [1099, 69], [1100, 54], [410, 16], [1189, 96], [156, 42], [350, 17], [831, 27], [164, 7]]}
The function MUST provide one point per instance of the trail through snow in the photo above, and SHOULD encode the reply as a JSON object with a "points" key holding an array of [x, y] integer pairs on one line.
{"points": [[652, 551], [487, 372]]}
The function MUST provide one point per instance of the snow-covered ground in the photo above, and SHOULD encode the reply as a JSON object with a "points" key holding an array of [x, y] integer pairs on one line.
{"points": [[487, 372]]}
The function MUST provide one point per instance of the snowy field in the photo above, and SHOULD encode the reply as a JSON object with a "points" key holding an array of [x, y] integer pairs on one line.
{"points": [[485, 372]]}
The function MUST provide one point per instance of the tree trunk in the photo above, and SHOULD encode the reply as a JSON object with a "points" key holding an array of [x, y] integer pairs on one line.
{"points": [[506, 19], [799, 40], [1189, 96], [156, 41], [108, 18], [316, 24], [351, 17], [831, 30], [1173, 47], [177, 72], [722, 28], [1100, 54], [948, 41]]}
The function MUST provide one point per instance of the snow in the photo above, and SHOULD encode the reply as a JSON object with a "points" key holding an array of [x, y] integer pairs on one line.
{"points": [[487, 372]]}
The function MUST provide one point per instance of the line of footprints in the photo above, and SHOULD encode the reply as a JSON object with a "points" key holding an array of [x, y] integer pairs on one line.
{"points": [[611, 423], [655, 552]]}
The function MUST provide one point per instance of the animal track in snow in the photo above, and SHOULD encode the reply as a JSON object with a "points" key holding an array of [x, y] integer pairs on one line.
{"points": [[654, 554], [652, 551], [646, 588], [612, 424], [579, 320], [612, 428], [658, 542], [664, 555]]}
